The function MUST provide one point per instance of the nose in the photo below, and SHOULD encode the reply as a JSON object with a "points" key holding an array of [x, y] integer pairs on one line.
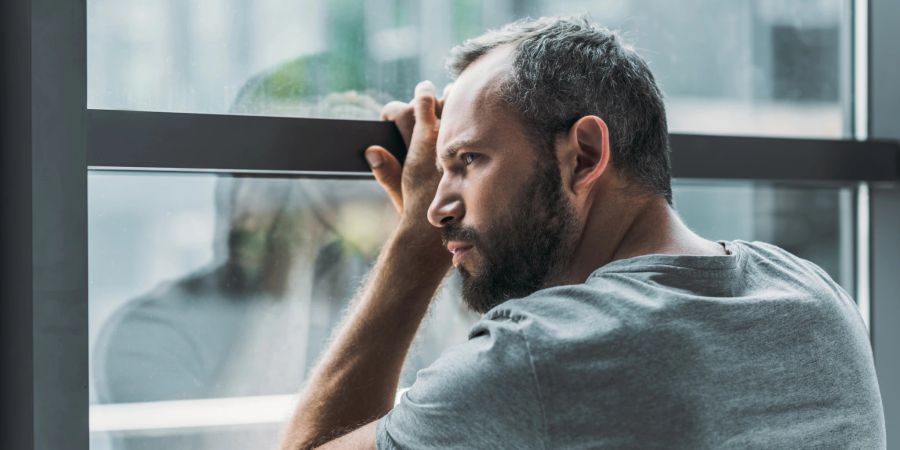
{"points": [[446, 208]]}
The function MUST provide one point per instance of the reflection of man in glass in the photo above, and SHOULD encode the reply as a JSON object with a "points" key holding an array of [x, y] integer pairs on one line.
{"points": [[543, 177], [187, 339], [194, 337]]}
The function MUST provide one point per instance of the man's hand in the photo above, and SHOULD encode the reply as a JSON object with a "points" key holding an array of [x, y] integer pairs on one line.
{"points": [[412, 187]]}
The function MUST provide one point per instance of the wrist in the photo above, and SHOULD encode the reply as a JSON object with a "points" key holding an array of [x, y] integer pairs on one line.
{"points": [[413, 262]]}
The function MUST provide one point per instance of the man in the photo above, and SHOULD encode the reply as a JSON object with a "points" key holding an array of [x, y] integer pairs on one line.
{"points": [[607, 322]]}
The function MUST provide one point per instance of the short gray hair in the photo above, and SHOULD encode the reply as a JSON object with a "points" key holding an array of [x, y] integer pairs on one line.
{"points": [[565, 68]]}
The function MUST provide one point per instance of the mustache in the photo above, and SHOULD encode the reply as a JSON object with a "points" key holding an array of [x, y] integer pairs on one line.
{"points": [[458, 233]]}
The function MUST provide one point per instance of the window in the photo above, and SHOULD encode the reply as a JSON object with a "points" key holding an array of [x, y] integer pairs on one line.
{"points": [[214, 285]]}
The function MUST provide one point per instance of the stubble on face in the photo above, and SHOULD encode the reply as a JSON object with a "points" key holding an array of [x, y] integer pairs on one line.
{"points": [[521, 252]]}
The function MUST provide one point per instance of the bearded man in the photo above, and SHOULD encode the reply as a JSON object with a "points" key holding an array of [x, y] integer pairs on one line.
{"points": [[607, 323]]}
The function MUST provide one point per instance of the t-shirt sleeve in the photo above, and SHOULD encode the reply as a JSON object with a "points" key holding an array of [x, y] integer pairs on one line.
{"points": [[480, 394]]}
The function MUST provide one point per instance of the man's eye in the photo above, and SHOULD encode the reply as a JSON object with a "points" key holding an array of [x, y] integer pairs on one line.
{"points": [[469, 158]]}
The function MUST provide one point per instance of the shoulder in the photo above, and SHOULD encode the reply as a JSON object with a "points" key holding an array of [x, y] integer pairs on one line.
{"points": [[170, 301], [165, 318], [778, 263], [777, 260], [478, 394], [496, 350], [566, 314]]}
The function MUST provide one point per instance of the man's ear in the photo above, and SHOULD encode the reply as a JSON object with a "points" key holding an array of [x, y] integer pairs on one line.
{"points": [[589, 137]]}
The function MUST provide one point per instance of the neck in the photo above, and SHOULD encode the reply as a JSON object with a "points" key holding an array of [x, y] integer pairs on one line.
{"points": [[626, 227]]}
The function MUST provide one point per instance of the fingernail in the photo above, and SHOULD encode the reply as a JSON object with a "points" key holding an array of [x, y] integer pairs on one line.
{"points": [[426, 85], [374, 159]]}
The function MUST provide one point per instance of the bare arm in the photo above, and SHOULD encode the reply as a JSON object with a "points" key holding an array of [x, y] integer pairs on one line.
{"points": [[357, 379]]}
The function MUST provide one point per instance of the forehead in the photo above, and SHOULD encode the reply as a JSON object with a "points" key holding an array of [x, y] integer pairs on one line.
{"points": [[472, 110]]}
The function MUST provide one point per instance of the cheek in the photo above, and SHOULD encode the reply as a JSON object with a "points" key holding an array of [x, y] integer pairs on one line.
{"points": [[488, 197]]}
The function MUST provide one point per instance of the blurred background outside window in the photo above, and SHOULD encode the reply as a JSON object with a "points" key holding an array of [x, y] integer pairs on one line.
{"points": [[761, 67]]}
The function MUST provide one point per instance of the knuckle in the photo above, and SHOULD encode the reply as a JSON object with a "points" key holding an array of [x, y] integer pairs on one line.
{"points": [[393, 109], [408, 111], [425, 101]]}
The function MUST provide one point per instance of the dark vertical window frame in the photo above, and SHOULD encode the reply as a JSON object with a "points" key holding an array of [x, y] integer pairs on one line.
{"points": [[44, 312], [59, 227], [16, 384]]}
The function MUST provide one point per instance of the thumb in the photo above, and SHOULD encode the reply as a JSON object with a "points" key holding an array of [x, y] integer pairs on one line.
{"points": [[387, 172]]}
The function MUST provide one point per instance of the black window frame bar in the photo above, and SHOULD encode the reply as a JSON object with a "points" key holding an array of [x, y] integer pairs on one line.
{"points": [[46, 135], [140, 140]]}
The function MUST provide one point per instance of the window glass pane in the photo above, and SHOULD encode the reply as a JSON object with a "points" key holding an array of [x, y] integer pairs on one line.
{"points": [[210, 303], [765, 67], [211, 296], [814, 222]]}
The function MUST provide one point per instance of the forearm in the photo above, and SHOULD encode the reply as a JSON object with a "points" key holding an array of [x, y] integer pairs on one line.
{"points": [[356, 381]]}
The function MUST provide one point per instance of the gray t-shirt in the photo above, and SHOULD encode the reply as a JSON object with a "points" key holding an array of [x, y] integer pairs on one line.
{"points": [[756, 349]]}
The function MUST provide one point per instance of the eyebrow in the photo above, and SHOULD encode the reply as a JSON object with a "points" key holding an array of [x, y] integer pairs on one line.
{"points": [[452, 150]]}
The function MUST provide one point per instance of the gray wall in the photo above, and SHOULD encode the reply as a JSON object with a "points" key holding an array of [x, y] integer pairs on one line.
{"points": [[884, 114], [885, 203]]}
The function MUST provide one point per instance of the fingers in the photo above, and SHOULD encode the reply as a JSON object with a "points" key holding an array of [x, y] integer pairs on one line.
{"points": [[418, 123], [425, 104], [387, 172], [440, 103], [393, 110], [402, 115]]}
